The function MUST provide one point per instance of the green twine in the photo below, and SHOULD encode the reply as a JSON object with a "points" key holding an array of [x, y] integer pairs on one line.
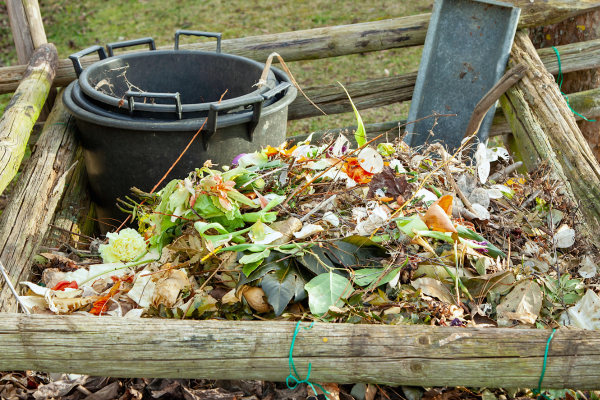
{"points": [[296, 378], [559, 81], [538, 391]]}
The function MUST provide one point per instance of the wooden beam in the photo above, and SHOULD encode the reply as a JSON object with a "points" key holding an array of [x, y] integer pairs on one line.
{"points": [[545, 129], [21, 33], [75, 212], [35, 23], [395, 89], [333, 41], [22, 111], [343, 353], [24, 222]]}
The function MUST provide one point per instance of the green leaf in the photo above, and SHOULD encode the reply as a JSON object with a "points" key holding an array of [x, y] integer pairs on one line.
{"points": [[282, 285], [360, 134], [327, 290], [254, 257], [251, 267], [466, 233], [337, 256], [407, 225], [366, 276]]}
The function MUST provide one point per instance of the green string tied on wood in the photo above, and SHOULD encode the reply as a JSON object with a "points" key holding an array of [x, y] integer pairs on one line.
{"points": [[293, 376], [538, 391], [559, 81]]}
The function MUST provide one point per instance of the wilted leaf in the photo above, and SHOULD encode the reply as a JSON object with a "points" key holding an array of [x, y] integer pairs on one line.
{"points": [[585, 314], [587, 268], [564, 237], [433, 287], [436, 219], [387, 181], [327, 290], [499, 283], [522, 304], [370, 160], [483, 164]]}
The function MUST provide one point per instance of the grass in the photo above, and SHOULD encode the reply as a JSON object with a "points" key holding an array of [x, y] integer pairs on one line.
{"points": [[72, 26]]}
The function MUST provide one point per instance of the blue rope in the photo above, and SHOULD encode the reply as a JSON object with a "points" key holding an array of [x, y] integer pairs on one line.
{"points": [[559, 81], [538, 391], [293, 373]]}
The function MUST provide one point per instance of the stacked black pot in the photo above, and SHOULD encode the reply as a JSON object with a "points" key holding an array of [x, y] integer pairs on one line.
{"points": [[137, 112]]}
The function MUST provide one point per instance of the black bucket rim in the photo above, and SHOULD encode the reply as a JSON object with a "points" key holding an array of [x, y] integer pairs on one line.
{"points": [[167, 108], [80, 99], [178, 125]]}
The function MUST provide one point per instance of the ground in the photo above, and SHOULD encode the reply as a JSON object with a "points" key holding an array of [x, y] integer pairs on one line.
{"points": [[73, 26]]}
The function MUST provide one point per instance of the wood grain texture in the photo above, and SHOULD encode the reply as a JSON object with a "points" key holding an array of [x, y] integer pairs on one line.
{"points": [[24, 222], [398, 88], [34, 22], [75, 212], [333, 41], [21, 34], [545, 129], [22, 111], [393, 355]]}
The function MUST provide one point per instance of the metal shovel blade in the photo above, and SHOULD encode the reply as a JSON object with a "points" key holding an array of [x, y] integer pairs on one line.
{"points": [[466, 50]]}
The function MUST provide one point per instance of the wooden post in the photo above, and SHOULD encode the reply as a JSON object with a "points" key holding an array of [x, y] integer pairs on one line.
{"points": [[545, 129], [34, 22], [23, 110], [417, 355], [20, 30], [28, 33], [582, 28], [24, 222]]}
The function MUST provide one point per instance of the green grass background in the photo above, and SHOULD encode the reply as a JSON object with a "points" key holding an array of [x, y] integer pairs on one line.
{"points": [[74, 25]]}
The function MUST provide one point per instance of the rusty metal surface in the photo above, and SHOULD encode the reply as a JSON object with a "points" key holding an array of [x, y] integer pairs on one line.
{"points": [[465, 54]]}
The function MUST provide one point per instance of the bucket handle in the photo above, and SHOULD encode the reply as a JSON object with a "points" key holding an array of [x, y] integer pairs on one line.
{"points": [[131, 95], [211, 124], [76, 56], [129, 43], [198, 33]]}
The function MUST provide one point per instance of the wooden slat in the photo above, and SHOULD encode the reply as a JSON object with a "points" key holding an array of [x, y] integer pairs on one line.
{"points": [[342, 353], [335, 41], [24, 222], [395, 89]]}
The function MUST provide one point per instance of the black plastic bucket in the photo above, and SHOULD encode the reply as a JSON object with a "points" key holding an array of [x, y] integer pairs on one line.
{"points": [[120, 154], [168, 84]]}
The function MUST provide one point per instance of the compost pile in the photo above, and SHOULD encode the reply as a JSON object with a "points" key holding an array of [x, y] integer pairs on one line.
{"points": [[321, 231]]}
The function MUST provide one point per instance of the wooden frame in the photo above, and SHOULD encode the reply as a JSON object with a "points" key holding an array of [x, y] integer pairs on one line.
{"points": [[401, 354]]}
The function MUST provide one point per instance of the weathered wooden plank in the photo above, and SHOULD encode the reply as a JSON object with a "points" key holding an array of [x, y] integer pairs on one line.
{"points": [[24, 222], [545, 129], [395, 89], [335, 41], [342, 353], [22, 111], [21, 34], [34, 22], [75, 212]]}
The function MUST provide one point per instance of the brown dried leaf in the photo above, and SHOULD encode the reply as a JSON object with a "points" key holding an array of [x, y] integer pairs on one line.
{"points": [[436, 219], [392, 185]]}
